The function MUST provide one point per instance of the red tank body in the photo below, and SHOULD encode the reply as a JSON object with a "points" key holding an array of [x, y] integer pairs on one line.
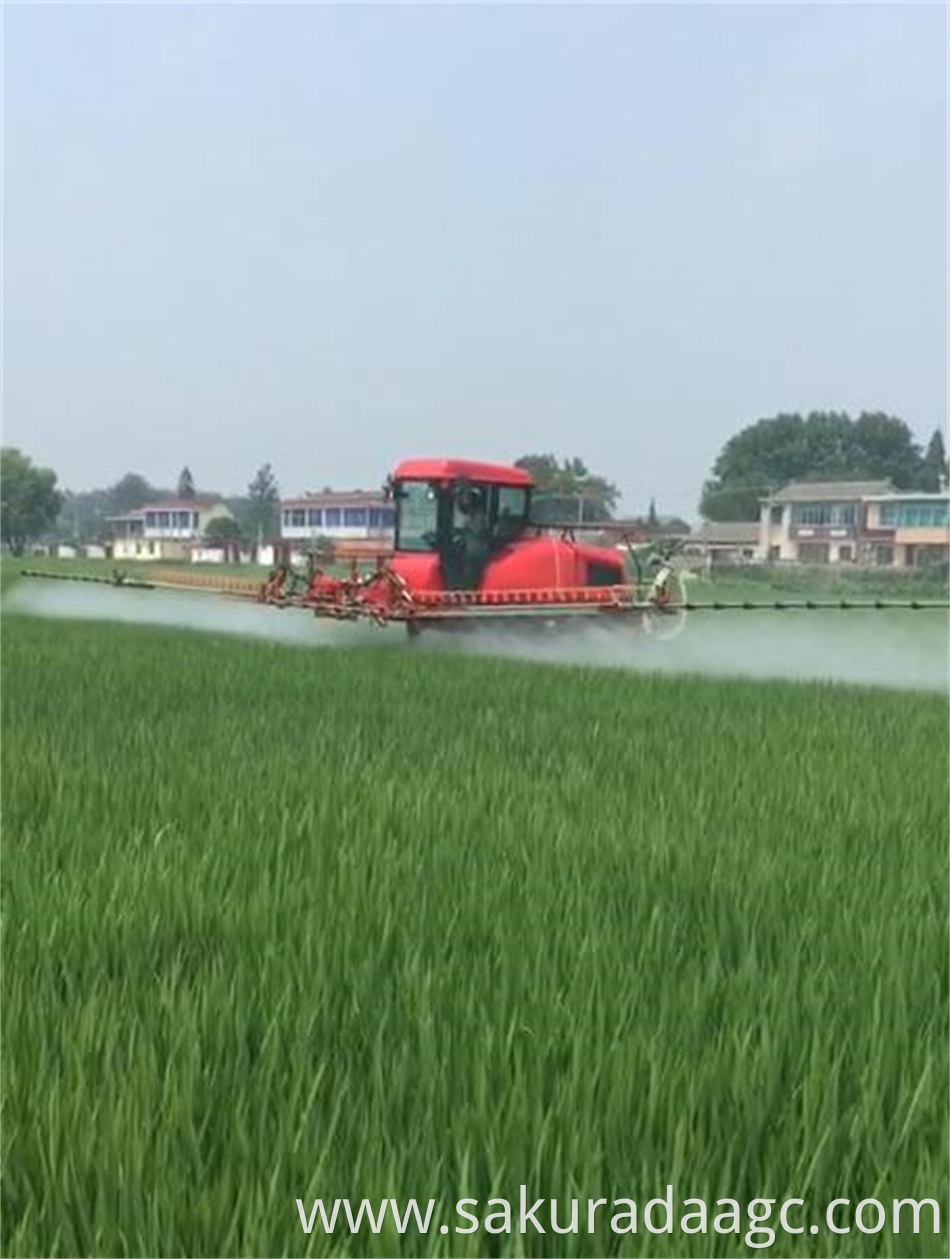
{"points": [[547, 562]]}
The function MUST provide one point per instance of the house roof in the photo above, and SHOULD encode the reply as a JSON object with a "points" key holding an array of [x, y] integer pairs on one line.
{"points": [[177, 504], [167, 504], [737, 532], [821, 491], [337, 498], [910, 496], [172, 504]]}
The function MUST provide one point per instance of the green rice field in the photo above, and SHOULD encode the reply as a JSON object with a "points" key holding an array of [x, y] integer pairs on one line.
{"points": [[373, 922]]}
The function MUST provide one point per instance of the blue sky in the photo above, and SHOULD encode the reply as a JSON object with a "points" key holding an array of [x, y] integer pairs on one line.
{"points": [[333, 237]]}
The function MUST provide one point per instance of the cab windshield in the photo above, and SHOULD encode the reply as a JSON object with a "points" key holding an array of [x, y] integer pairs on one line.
{"points": [[433, 517]]}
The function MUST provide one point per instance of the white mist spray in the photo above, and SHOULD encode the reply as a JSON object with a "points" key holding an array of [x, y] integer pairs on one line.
{"points": [[898, 649]]}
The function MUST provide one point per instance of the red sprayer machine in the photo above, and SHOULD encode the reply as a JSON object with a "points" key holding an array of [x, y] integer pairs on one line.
{"points": [[467, 551]]}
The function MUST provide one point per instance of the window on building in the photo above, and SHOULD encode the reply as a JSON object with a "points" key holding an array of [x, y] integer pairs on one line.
{"points": [[890, 515], [195, 520], [331, 517], [846, 554], [808, 514], [823, 513], [164, 519], [298, 517], [775, 515], [813, 552], [150, 520], [354, 517], [928, 556], [314, 517], [775, 552], [883, 556], [926, 515]]}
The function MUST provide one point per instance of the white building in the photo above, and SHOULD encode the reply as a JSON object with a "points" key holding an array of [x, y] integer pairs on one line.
{"points": [[341, 516], [854, 522], [163, 531], [359, 524], [815, 522]]}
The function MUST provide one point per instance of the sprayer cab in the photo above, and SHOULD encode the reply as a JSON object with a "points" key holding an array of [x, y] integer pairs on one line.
{"points": [[463, 525]]}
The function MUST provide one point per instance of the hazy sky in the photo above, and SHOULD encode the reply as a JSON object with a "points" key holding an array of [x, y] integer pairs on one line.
{"points": [[332, 237]]}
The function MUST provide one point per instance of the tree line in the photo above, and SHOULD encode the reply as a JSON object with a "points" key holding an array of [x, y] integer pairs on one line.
{"points": [[32, 507], [756, 461]]}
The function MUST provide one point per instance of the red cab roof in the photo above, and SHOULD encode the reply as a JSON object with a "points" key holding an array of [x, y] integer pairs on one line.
{"points": [[461, 469]]}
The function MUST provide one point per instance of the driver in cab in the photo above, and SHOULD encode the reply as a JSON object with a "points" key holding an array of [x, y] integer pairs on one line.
{"points": [[471, 523]]}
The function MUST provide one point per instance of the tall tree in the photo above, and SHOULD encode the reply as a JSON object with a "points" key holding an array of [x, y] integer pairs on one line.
{"points": [[568, 491], [936, 469], [130, 492], [263, 510], [186, 486], [885, 448], [223, 530], [29, 499], [652, 518], [827, 445]]}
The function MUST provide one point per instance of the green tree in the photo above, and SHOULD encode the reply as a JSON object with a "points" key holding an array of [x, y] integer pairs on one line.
{"points": [[885, 449], [29, 499], [936, 470], [263, 499], [186, 486], [653, 519], [85, 513], [827, 445], [568, 491], [223, 531], [130, 492]]}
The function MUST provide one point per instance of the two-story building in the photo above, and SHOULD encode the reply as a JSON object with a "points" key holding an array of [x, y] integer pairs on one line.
{"points": [[357, 522], [853, 522], [163, 531], [907, 530]]}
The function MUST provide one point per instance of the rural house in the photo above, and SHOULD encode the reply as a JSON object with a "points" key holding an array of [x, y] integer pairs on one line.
{"points": [[848, 522], [716, 543], [163, 531], [906, 529], [358, 522]]}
